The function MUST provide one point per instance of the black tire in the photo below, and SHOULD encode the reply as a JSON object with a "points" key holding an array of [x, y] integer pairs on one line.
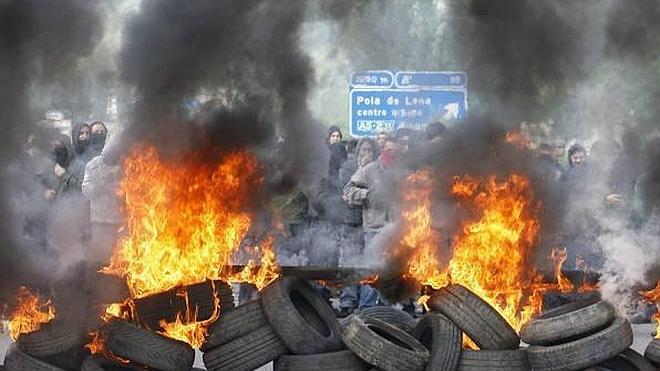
{"points": [[16, 360], [585, 352], [70, 360], [247, 352], [301, 317], [443, 340], [343, 360], [493, 360], [148, 348], [383, 345], [166, 305], [628, 360], [481, 322], [238, 322], [96, 363], [393, 316], [652, 352], [54, 337], [568, 322]]}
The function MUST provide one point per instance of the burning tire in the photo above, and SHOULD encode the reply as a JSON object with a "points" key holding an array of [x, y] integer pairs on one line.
{"points": [[393, 316], [168, 304], [148, 348], [384, 345], [54, 337], [247, 352], [481, 322], [236, 323], [584, 352], [343, 360], [628, 360], [94, 363], [652, 352], [568, 322], [493, 360], [301, 317], [16, 360], [443, 340]]}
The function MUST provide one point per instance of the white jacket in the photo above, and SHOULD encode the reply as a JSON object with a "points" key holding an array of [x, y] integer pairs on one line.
{"points": [[100, 186]]}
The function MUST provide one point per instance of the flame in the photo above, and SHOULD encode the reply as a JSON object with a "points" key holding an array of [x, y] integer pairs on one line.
{"points": [[419, 238], [96, 345], [559, 257], [29, 314], [183, 220], [423, 301], [370, 280], [186, 327], [266, 273], [492, 253], [183, 223], [653, 296]]}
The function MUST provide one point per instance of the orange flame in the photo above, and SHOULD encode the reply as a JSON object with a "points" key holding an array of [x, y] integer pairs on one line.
{"points": [[265, 273], [30, 314], [492, 254], [184, 222], [96, 345], [419, 238], [187, 328], [559, 257], [369, 280], [653, 296]]}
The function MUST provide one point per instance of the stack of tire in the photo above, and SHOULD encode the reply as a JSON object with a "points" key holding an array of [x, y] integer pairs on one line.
{"points": [[146, 349], [291, 324], [56, 346], [582, 335], [456, 310], [652, 352]]}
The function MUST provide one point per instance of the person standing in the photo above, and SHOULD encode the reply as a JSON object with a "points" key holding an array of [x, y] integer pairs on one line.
{"points": [[99, 185], [366, 190]]}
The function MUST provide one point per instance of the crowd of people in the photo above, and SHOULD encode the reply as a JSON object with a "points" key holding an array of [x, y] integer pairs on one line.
{"points": [[610, 181], [338, 221]]}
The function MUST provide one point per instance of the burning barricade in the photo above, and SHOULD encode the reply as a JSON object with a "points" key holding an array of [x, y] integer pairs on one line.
{"points": [[165, 290]]}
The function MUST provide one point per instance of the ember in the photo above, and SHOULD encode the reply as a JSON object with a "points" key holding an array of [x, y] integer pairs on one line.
{"points": [[653, 296], [30, 314]]}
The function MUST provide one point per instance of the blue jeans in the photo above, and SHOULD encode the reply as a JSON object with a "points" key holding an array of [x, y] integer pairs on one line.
{"points": [[360, 296]]}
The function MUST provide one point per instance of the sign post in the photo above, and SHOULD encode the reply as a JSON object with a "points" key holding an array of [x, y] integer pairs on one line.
{"points": [[384, 101]]}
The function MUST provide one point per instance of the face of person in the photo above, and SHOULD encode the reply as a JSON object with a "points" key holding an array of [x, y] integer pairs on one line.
{"points": [[98, 129], [578, 158], [335, 137], [382, 138], [558, 151], [83, 135], [366, 154]]}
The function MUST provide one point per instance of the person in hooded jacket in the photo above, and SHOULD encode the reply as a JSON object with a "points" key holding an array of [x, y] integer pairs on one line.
{"points": [[80, 139], [100, 184], [97, 138]]}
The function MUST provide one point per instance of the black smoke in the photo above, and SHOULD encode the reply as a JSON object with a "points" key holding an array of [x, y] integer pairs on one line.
{"points": [[247, 53]]}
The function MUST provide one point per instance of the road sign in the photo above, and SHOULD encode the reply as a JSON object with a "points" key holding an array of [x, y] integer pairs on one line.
{"points": [[409, 100], [411, 79]]}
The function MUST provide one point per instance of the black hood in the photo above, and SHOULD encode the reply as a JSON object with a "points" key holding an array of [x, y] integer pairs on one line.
{"points": [[78, 147]]}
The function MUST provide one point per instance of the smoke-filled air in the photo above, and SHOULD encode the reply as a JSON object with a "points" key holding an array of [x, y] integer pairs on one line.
{"points": [[166, 163]]}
